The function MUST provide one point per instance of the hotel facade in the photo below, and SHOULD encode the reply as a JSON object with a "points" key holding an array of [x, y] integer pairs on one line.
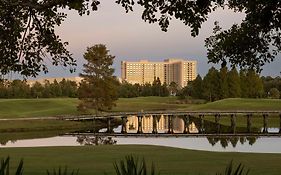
{"points": [[179, 71]]}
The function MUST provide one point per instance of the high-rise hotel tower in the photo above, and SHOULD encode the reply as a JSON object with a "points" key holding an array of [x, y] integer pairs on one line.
{"points": [[171, 70]]}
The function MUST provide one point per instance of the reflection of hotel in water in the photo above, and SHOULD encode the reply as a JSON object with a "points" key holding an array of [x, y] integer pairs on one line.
{"points": [[162, 124]]}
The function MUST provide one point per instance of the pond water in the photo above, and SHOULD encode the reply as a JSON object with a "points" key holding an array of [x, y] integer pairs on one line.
{"points": [[261, 145], [210, 143]]}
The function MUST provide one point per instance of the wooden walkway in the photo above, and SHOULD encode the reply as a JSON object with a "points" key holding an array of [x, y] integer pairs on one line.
{"points": [[172, 113]]}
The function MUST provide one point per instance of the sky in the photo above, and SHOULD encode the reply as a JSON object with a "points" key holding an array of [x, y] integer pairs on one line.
{"points": [[128, 37]]}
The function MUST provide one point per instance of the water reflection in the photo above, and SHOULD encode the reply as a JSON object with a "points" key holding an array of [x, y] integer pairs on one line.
{"points": [[148, 125], [262, 145], [163, 125], [181, 124], [233, 141], [95, 140]]}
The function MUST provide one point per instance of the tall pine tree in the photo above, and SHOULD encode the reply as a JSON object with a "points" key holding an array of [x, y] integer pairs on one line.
{"points": [[233, 81], [98, 89], [223, 84]]}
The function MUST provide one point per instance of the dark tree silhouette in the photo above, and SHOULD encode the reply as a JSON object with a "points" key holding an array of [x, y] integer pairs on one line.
{"points": [[27, 34]]}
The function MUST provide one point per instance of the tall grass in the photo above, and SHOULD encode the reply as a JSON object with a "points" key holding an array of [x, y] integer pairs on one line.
{"points": [[62, 171], [129, 166], [132, 166], [5, 167], [232, 170]]}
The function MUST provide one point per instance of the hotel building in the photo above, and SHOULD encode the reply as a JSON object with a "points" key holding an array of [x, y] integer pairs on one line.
{"points": [[171, 70]]}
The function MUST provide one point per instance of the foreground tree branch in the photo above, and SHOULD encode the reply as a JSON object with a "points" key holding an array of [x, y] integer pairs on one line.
{"points": [[253, 43]]}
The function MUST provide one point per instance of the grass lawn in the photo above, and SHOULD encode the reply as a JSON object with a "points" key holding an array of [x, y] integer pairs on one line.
{"points": [[241, 121], [23, 108], [148, 104], [40, 125], [15, 108], [96, 160], [234, 104]]}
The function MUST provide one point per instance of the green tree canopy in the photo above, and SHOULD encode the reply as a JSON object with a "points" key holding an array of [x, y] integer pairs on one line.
{"points": [[211, 85], [274, 93], [98, 89], [27, 34], [233, 80]]}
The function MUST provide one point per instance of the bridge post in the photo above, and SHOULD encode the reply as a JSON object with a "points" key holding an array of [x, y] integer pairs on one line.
{"points": [[249, 122], [170, 124], [233, 123], [124, 122], [186, 119], [280, 123], [140, 124], [109, 129], [201, 128], [265, 122], [94, 124], [217, 119], [154, 120]]}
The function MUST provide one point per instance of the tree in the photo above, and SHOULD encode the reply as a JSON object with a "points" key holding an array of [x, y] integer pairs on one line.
{"points": [[68, 88], [156, 87], [173, 88], [233, 80], [254, 84], [55, 89], [164, 91], [127, 90], [274, 93], [37, 90], [197, 87], [98, 89], [3, 88], [27, 35], [27, 32], [146, 90], [47, 89], [269, 83], [18, 89], [244, 84], [211, 85], [223, 83]]}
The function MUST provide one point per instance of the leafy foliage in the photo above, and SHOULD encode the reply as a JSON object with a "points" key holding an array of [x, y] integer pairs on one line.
{"points": [[127, 90], [231, 170], [250, 45], [274, 93], [271, 83], [98, 89], [5, 167], [27, 35], [223, 84], [61, 171], [21, 89], [254, 42], [132, 166]]}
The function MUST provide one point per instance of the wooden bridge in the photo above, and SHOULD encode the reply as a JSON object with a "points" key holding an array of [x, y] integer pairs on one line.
{"points": [[186, 117]]}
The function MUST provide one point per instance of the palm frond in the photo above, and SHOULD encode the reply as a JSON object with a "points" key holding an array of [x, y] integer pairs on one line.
{"points": [[231, 170]]}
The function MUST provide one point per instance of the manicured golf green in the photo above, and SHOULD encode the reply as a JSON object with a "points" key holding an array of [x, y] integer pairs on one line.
{"points": [[234, 104], [97, 160], [39, 125], [15, 108]]}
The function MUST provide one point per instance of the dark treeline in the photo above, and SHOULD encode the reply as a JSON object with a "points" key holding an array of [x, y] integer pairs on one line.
{"points": [[21, 89], [272, 86], [216, 85], [127, 90], [224, 83]]}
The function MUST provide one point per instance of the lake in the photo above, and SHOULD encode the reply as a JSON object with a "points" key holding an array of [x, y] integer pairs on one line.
{"points": [[210, 143]]}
